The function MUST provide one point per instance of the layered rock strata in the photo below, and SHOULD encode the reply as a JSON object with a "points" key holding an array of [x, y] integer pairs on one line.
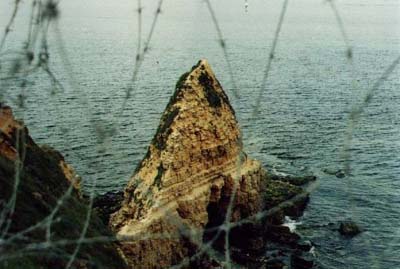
{"points": [[42, 213], [193, 161], [194, 168]]}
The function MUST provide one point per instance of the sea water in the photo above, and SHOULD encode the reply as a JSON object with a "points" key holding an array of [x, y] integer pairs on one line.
{"points": [[303, 113]]}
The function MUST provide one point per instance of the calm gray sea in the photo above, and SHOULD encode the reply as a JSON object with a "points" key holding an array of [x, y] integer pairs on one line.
{"points": [[304, 109]]}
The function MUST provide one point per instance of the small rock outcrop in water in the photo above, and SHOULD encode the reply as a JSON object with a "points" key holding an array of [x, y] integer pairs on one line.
{"points": [[300, 261], [349, 228], [186, 181], [27, 238], [339, 173]]}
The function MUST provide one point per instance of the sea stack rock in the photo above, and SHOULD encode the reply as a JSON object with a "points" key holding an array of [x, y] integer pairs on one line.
{"points": [[187, 178]]}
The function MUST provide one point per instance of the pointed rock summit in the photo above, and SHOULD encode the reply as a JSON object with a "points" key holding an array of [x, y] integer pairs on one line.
{"points": [[186, 179]]}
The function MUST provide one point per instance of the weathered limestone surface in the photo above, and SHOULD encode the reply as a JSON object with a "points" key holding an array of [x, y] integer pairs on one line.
{"points": [[191, 163]]}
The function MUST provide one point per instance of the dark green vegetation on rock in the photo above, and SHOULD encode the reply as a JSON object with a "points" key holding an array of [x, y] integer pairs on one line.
{"points": [[214, 98], [212, 95], [181, 80], [294, 180], [164, 130], [140, 164], [167, 118], [278, 192], [157, 179]]}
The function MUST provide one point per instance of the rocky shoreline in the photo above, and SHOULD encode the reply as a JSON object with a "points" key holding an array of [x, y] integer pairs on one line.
{"points": [[194, 185], [280, 245]]}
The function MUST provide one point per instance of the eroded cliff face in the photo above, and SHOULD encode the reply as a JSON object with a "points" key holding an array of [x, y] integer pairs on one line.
{"points": [[34, 181], [188, 176]]}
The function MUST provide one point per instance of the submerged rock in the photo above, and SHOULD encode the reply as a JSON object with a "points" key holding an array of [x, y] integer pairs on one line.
{"points": [[294, 180], [275, 264], [282, 234], [42, 211], [305, 245], [301, 261], [349, 228], [339, 173]]}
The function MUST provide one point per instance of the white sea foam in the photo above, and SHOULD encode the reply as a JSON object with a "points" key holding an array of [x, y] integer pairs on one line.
{"points": [[312, 251], [291, 224], [278, 173]]}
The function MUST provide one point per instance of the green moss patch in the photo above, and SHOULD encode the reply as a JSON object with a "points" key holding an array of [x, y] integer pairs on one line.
{"points": [[164, 129], [207, 82], [278, 192], [157, 179]]}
